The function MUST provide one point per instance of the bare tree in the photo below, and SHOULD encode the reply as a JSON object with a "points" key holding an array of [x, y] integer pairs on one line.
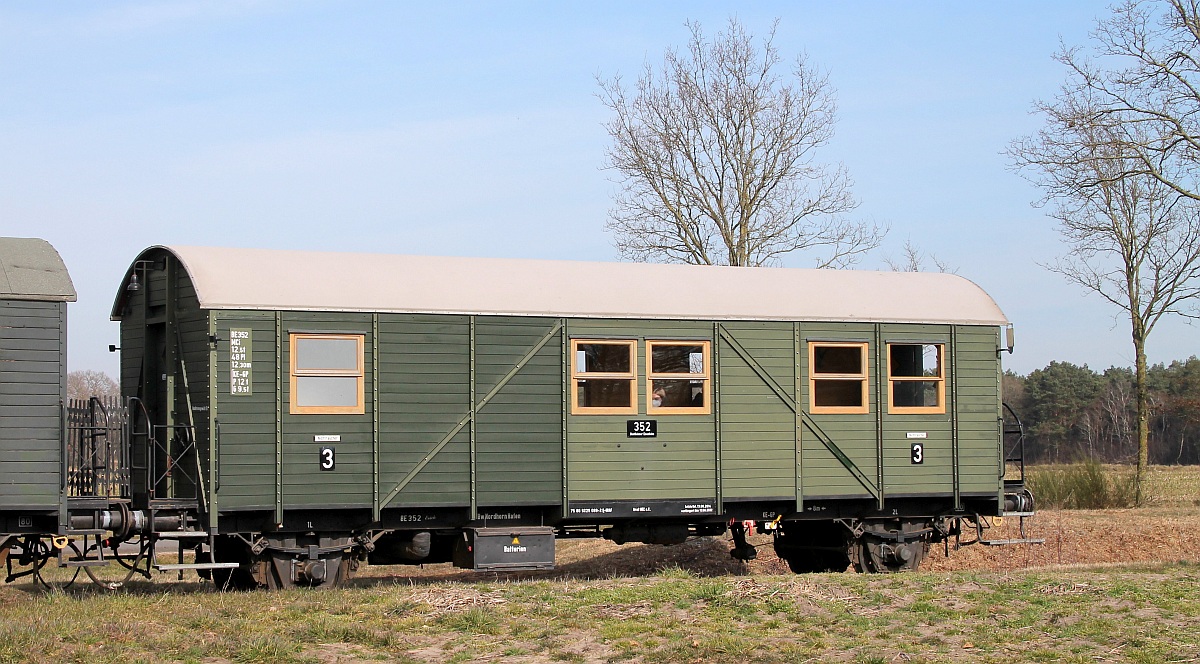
{"points": [[914, 260], [1132, 238], [715, 153], [1141, 78], [84, 384]]}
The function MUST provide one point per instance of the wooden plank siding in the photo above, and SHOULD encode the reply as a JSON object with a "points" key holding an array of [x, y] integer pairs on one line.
{"points": [[603, 464], [424, 390], [979, 409], [247, 421], [758, 429], [822, 475], [350, 482], [519, 431], [936, 474], [188, 337], [32, 388]]}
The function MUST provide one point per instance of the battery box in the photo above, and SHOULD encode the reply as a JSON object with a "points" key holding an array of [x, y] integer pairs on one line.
{"points": [[502, 549]]}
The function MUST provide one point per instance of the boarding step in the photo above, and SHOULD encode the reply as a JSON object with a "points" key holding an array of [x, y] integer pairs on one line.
{"points": [[66, 549], [82, 563], [183, 566], [1007, 542], [84, 532], [173, 504], [182, 534], [65, 561]]}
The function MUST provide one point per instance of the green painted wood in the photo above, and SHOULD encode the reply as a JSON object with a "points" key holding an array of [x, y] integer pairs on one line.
{"points": [[423, 389], [519, 437], [248, 427], [479, 403], [979, 408], [32, 387], [304, 483], [690, 439], [854, 435], [758, 431], [809, 423]]}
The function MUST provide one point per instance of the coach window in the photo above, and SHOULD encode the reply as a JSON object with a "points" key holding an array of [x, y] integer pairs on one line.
{"points": [[837, 377], [916, 378], [604, 377], [677, 377], [326, 374]]}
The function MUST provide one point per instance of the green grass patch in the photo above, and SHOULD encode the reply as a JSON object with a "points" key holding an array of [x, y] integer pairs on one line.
{"points": [[1139, 613]]}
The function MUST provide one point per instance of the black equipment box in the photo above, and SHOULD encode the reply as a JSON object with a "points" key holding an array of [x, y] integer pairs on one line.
{"points": [[500, 549]]}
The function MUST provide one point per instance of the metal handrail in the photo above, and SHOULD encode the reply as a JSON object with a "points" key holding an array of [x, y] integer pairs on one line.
{"points": [[1018, 447]]}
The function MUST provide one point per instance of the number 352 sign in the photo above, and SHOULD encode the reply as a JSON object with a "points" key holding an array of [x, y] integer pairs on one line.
{"points": [[641, 428]]}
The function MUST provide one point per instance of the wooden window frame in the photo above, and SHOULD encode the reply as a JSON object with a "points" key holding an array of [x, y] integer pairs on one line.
{"points": [[863, 378], [939, 409], [359, 374], [577, 375], [706, 378]]}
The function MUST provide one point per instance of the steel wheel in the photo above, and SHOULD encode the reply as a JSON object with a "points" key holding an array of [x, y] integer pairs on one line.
{"points": [[875, 556]]}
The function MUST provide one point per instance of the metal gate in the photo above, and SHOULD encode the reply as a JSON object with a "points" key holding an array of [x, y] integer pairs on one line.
{"points": [[96, 455]]}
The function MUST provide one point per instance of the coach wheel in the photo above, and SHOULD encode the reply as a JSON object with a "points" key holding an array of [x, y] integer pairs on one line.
{"points": [[281, 571], [873, 555]]}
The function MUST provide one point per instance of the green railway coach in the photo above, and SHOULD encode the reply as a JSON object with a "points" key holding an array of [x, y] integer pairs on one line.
{"points": [[319, 409], [34, 290]]}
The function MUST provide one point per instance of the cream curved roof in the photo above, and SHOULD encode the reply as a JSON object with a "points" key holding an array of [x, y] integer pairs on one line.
{"points": [[31, 269], [319, 281]]}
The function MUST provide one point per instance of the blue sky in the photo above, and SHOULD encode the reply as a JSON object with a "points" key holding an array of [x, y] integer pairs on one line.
{"points": [[473, 129]]}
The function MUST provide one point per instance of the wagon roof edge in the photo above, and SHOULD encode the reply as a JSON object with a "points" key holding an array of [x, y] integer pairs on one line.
{"points": [[32, 269], [269, 279]]}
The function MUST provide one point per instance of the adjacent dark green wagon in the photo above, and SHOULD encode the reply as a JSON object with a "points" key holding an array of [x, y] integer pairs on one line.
{"points": [[34, 290]]}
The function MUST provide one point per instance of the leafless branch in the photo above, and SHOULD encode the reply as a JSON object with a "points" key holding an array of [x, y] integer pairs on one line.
{"points": [[715, 157], [1117, 163], [88, 383]]}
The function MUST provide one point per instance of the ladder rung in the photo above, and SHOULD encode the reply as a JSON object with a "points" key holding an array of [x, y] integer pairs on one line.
{"points": [[1020, 514], [168, 568], [185, 534]]}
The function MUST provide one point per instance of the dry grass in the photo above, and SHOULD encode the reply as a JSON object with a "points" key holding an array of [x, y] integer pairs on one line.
{"points": [[1105, 587]]}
